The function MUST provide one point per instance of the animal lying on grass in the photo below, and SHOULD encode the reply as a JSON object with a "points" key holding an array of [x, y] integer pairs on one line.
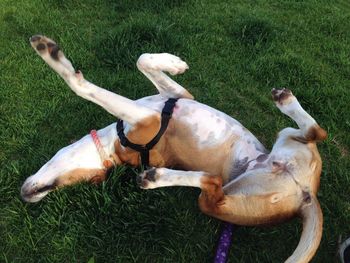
{"points": [[240, 181]]}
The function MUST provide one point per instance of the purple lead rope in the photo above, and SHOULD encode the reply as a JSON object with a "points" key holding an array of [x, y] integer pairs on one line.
{"points": [[224, 243]]}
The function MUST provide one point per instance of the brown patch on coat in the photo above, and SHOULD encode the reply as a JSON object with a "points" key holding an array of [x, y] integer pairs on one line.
{"points": [[145, 130], [211, 194], [182, 149], [97, 179], [108, 164], [315, 166], [142, 133], [126, 155], [255, 210], [178, 147], [316, 133], [81, 175]]}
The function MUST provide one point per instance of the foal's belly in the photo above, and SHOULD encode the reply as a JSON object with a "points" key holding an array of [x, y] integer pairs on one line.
{"points": [[202, 138]]}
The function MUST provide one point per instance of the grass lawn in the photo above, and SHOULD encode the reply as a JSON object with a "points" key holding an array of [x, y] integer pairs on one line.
{"points": [[237, 51]]}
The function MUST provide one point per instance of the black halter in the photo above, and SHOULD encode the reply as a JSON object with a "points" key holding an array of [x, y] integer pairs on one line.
{"points": [[144, 149]]}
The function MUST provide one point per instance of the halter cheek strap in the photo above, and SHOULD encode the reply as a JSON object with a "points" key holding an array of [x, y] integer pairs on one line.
{"points": [[144, 149]]}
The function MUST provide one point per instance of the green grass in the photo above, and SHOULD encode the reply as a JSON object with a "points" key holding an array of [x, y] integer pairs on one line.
{"points": [[236, 51]]}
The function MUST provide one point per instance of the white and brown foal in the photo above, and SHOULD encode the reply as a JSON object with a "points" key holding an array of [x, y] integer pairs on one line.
{"points": [[240, 181]]}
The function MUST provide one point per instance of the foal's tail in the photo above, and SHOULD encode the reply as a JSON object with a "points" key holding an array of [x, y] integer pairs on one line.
{"points": [[311, 214]]}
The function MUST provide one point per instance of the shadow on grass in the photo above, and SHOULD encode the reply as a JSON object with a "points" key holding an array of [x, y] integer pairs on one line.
{"points": [[254, 34], [123, 6], [120, 47]]}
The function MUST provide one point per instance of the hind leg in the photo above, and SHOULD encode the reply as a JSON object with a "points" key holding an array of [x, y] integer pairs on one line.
{"points": [[288, 104], [244, 204], [117, 105], [250, 200], [239, 207], [153, 67]]}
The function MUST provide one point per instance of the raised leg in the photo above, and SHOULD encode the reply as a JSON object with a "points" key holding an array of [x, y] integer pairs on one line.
{"points": [[153, 65], [289, 105], [117, 105]]}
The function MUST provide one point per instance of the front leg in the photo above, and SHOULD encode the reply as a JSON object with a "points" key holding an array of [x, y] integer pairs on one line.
{"points": [[211, 186], [153, 67], [117, 105], [163, 177]]}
